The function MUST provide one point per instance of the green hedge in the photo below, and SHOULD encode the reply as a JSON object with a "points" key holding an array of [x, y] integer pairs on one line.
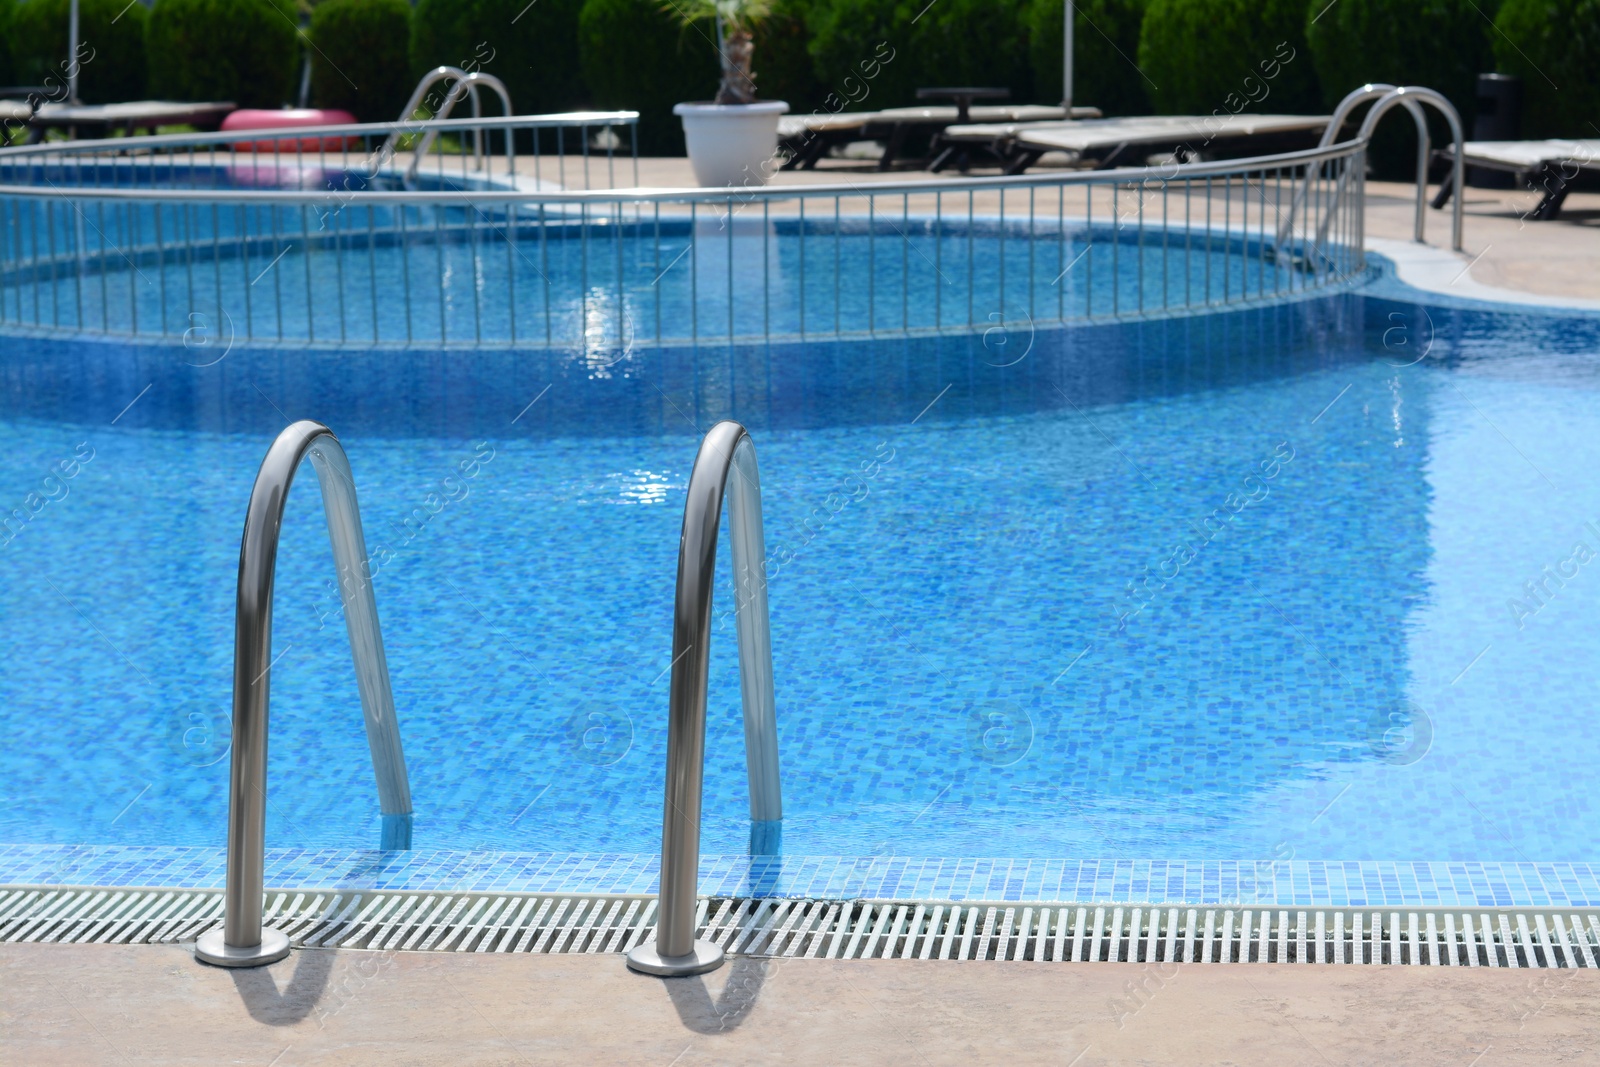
{"points": [[1554, 46], [953, 42], [247, 51], [532, 47], [637, 56], [783, 66], [113, 48], [1360, 41], [8, 69], [1105, 48], [360, 61], [1206, 56]]}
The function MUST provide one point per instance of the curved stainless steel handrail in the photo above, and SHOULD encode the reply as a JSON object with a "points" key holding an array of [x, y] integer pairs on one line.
{"points": [[726, 450], [1352, 100], [426, 82], [630, 195], [242, 942], [466, 85], [1407, 95]]}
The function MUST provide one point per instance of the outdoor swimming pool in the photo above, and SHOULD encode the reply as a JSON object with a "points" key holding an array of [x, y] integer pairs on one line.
{"points": [[1297, 581]]}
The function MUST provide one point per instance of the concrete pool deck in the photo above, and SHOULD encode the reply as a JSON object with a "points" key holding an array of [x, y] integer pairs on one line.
{"points": [[153, 1004]]}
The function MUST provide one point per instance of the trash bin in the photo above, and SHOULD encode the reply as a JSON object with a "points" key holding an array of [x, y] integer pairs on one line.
{"points": [[1499, 118]]}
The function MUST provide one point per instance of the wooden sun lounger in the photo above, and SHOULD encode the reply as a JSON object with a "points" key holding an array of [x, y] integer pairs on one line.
{"points": [[1119, 142], [806, 138], [1548, 165]]}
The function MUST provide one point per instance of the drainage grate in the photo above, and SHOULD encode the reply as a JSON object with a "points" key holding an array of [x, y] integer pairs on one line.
{"points": [[827, 929]]}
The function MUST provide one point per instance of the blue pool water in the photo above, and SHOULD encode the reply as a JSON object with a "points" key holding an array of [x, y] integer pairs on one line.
{"points": [[1337, 654]]}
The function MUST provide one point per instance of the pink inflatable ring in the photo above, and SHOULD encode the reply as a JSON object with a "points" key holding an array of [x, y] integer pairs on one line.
{"points": [[288, 118]]}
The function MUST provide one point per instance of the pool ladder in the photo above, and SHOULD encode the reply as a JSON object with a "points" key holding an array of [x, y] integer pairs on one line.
{"points": [[242, 942], [725, 466]]}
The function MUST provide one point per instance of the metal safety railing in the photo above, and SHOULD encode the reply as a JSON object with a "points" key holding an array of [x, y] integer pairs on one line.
{"points": [[572, 150], [242, 941], [473, 263], [1387, 96], [724, 467]]}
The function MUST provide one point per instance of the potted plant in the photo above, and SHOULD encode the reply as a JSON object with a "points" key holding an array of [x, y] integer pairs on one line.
{"points": [[732, 139]]}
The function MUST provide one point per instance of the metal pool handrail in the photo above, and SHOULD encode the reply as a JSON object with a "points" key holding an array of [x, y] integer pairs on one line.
{"points": [[137, 146], [1407, 95], [1175, 172], [467, 85], [608, 268], [242, 942], [1352, 100], [726, 450]]}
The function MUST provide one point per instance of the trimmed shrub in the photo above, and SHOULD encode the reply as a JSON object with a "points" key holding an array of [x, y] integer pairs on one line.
{"points": [[1360, 41], [532, 47], [112, 47], [1105, 48], [951, 42], [247, 51], [1551, 43], [361, 61], [1206, 56], [639, 57]]}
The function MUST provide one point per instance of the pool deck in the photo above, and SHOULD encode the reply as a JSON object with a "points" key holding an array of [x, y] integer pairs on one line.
{"points": [[108, 1004], [1504, 250]]}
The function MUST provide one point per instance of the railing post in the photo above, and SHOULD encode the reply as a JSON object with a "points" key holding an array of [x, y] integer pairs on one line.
{"points": [[242, 942], [726, 450]]}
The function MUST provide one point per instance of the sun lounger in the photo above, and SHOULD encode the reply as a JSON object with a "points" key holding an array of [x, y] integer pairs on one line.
{"points": [[806, 138], [1548, 165], [1117, 142], [137, 114]]}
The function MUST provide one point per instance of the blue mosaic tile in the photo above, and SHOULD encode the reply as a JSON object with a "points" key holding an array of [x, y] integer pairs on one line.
{"points": [[1288, 883]]}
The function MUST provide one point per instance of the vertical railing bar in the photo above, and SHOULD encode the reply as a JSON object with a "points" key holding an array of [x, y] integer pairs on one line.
{"points": [[622, 292], [766, 270], [972, 272], [694, 271], [305, 245], [905, 261], [161, 266], [372, 268], [803, 286], [277, 289], [1001, 247], [872, 264], [656, 271], [244, 270], [438, 261], [1032, 239], [837, 235]]}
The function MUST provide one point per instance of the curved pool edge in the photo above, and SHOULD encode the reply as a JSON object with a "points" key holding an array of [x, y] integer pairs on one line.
{"points": [[1439, 276], [1278, 883]]}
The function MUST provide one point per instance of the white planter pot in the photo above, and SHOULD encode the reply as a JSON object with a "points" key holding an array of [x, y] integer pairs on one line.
{"points": [[731, 144]]}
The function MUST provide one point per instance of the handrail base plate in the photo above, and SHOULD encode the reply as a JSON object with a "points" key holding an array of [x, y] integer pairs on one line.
{"points": [[645, 958], [210, 948]]}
